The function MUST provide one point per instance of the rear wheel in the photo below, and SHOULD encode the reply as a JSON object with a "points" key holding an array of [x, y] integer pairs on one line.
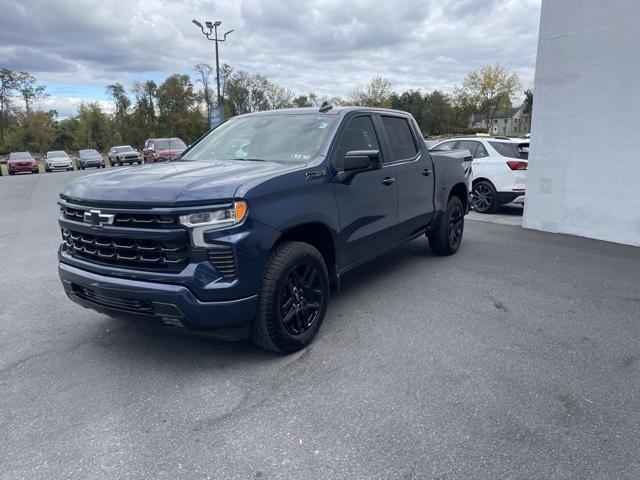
{"points": [[485, 197], [293, 298], [447, 237]]}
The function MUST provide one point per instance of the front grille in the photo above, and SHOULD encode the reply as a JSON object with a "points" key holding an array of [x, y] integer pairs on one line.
{"points": [[126, 252], [135, 306], [142, 220], [223, 259]]}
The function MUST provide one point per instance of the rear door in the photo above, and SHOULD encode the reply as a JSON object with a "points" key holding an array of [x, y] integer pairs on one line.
{"points": [[414, 170], [367, 201]]}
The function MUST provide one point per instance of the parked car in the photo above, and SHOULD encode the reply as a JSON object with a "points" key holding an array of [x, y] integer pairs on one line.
{"points": [[499, 169], [162, 149], [244, 237], [57, 160], [124, 154], [22, 162], [90, 158]]}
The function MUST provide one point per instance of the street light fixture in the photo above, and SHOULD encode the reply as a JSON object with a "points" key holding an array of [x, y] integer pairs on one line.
{"points": [[211, 32]]}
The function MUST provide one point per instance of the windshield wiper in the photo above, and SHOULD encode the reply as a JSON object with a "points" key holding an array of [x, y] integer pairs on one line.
{"points": [[249, 159]]}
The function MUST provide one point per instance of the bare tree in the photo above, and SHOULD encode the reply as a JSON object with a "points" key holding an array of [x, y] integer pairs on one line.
{"points": [[29, 89], [205, 70]]}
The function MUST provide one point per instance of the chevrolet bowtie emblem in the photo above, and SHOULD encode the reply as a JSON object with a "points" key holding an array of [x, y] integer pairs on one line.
{"points": [[96, 217]]}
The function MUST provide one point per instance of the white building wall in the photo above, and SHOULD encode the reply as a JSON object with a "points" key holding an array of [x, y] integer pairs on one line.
{"points": [[584, 162]]}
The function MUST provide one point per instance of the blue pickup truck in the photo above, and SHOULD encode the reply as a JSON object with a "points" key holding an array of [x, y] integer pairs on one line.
{"points": [[249, 230]]}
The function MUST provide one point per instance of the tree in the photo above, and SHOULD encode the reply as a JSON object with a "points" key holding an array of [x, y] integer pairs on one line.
{"points": [[179, 113], [93, 129], [121, 113], [376, 94], [35, 132], [30, 91], [411, 101], [8, 84], [528, 101], [205, 70], [491, 89]]}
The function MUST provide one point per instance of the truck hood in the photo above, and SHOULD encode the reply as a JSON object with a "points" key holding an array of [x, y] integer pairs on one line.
{"points": [[169, 184]]}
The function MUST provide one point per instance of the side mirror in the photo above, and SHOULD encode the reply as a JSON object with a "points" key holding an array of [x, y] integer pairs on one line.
{"points": [[361, 160]]}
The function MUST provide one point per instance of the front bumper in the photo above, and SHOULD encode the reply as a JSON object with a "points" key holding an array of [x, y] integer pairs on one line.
{"points": [[170, 305], [22, 168]]}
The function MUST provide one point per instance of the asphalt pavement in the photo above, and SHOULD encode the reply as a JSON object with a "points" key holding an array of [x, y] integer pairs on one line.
{"points": [[517, 358]]}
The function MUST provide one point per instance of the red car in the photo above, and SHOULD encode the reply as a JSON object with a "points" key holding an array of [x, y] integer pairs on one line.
{"points": [[162, 149], [22, 162]]}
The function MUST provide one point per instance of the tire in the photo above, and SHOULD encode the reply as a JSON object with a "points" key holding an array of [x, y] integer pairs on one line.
{"points": [[293, 298], [485, 197], [35, 171], [447, 237]]}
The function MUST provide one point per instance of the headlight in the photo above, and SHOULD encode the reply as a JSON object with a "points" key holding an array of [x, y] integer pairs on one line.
{"points": [[222, 218]]}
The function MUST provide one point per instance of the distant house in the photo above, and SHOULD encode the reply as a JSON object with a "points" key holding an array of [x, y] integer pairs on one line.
{"points": [[509, 121]]}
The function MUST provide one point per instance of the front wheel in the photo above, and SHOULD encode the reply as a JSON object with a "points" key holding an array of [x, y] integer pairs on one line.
{"points": [[447, 237], [293, 298]]}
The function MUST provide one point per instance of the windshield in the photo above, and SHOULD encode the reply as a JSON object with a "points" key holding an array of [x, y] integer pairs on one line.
{"points": [[20, 156], [89, 153], [56, 154], [289, 138], [123, 149], [169, 144]]}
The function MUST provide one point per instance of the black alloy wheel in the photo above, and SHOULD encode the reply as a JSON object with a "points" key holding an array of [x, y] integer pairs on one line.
{"points": [[485, 197], [301, 299], [456, 225]]}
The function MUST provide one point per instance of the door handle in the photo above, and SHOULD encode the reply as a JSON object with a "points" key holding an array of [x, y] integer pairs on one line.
{"points": [[389, 181], [426, 172]]}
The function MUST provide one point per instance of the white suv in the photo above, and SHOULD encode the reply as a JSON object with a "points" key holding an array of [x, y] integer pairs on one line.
{"points": [[499, 169], [57, 160]]}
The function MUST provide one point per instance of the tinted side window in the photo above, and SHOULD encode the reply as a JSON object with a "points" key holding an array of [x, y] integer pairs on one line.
{"points": [[481, 152], [469, 145], [359, 135], [403, 145], [511, 150]]}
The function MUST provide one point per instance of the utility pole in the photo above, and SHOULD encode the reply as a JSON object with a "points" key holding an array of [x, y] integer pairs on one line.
{"points": [[211, 33]]}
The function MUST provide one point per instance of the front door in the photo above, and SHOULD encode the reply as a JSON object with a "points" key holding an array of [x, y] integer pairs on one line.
{"points": [[367, 201]]}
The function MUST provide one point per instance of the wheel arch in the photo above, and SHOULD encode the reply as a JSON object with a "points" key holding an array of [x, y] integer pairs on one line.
{"points": [[319, 236], [460, 190]]}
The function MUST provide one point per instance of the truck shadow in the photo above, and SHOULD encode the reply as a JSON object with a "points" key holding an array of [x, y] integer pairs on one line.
{"points": [[150, 345]]}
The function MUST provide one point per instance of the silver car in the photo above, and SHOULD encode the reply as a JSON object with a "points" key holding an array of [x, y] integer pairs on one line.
{"points": [[57, 160]]}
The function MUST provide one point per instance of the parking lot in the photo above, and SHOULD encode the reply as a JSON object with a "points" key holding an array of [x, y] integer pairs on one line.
{"points": [[520, 354]]}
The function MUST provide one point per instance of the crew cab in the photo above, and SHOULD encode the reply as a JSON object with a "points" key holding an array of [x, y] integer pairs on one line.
{"points": [[499, 169], [248, 231], [162, 149]]}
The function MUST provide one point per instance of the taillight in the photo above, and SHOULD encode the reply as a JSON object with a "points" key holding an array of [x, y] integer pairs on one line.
{"points": [[516, 165]]}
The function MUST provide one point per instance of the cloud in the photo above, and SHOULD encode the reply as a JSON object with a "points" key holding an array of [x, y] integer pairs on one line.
{"points": [[326, 46]]}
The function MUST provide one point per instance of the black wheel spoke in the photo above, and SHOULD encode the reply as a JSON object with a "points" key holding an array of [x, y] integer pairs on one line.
{"points": [[289, 316], [302, 298]]}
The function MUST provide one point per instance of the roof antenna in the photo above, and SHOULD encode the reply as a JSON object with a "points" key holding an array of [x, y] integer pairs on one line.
{"points": [[325, 107]]}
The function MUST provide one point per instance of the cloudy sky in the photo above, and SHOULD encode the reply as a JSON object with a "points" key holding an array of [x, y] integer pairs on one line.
{"points": [[77, 47]]}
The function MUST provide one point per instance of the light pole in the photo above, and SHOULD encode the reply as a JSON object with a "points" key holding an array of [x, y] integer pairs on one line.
{"points": [[212, 28]]}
